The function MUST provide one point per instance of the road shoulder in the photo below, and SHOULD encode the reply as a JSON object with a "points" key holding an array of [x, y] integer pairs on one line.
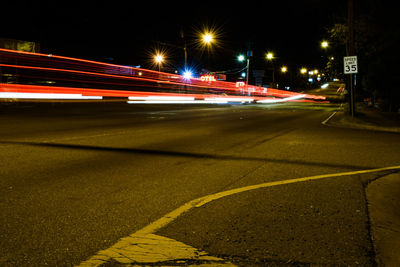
{"points": [[366, 119]]}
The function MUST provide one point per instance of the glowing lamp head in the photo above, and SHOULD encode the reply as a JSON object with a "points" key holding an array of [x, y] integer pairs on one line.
{"points": [[187, 75], [159, 58], [241, 58], [269, 56], [207, 38]]}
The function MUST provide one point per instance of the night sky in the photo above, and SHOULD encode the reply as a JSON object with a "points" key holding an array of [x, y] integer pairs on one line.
{"points": [[128, 31]]}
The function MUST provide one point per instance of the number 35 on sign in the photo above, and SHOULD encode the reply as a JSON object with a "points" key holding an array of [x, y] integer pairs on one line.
{"points": [[350, 65]]}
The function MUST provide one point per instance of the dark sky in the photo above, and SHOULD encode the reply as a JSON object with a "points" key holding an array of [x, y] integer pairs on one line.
{"points": [[129, 30]]}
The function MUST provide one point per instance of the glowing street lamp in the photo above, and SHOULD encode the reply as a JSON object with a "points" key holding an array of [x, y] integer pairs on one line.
{"points": [[187, 75], [303, 70], [207, 38], [242, 58], [159, 59], [270, 56], [284, 69], [324, 44]]}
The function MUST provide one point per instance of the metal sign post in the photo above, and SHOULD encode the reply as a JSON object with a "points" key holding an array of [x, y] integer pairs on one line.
{"points": [[351, 67], [350, 62]]}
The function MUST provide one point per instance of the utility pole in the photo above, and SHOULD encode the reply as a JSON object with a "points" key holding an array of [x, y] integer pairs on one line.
{"points": [[249, 55], [247, 68], [182, 33], [350, 22]]}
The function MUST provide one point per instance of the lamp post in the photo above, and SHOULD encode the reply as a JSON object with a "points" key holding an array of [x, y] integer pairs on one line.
{"points": [[158, 58], [270, 57], [351, 52], [207, 41], [182, 33], [241, 58]]}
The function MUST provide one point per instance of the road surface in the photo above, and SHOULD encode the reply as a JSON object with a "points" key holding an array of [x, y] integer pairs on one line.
{"points": [[77, 179]]}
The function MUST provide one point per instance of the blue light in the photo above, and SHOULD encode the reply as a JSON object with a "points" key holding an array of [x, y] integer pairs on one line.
{"points": [[188, 75]]}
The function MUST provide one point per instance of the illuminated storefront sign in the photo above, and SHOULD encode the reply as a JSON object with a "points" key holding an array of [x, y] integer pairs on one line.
{"points": [[208, 78], [240, 84]]}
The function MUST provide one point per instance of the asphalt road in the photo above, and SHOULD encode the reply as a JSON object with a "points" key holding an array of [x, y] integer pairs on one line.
{"points": [[76, 178]]}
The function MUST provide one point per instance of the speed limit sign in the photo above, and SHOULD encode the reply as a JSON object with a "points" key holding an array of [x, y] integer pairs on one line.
{"points": [[350, 65]]}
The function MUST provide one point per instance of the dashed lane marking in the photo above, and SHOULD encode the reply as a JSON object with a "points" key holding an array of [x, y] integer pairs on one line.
{"points": [[144, 247]]}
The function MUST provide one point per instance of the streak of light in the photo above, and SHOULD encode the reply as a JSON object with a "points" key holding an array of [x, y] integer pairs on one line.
{"points": [[117, 81], [216, 101], [325, 85], [197, 82], [267, 101], [231, 99], [70, 59], [46, 96], [162, 98]]}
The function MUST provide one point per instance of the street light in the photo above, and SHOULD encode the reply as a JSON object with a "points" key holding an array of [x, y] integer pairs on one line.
{"points": [[207, 38], [284, 69], [324, 44], [270, 56], [303, 70], [241, 58], [159, 58]]}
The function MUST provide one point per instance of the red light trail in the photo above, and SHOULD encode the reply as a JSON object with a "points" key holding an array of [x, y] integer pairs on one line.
{"points": [[73, 78]]}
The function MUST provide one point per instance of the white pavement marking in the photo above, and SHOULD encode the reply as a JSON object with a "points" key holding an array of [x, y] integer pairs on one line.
{"points": [[326, 121], [143, 245]]}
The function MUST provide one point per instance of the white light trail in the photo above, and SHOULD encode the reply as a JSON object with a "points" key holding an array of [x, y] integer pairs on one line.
{"points": [[230, 99], [267, 101], [177, 102], [186, 100], [162, 98], [45, 96]]}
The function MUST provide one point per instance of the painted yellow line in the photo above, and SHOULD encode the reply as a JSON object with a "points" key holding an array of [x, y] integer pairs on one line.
{"points": [[162, 222], [150, 249], [150, 229]]}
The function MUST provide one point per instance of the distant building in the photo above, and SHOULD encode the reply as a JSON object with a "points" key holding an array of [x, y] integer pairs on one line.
{"points": [[19, 45]]}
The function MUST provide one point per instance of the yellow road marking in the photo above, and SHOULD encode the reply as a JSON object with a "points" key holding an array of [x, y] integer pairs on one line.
{"points": [[149, 230], [148, 249]]}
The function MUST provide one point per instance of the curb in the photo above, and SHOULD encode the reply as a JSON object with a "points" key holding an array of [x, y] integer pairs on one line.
{"points": [[359, 126], [383, 197]]}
